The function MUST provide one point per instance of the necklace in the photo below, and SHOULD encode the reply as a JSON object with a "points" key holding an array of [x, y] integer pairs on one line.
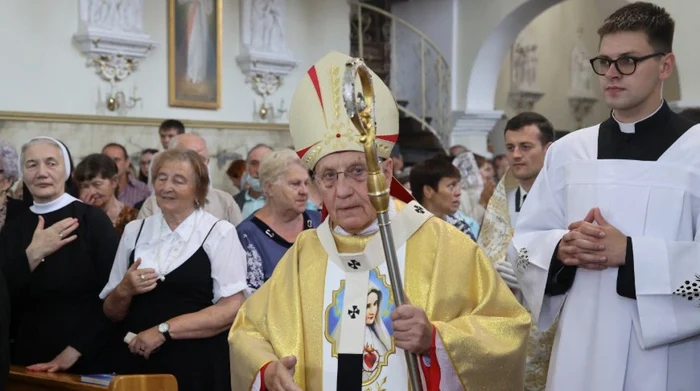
{"points": [[170, 257]]}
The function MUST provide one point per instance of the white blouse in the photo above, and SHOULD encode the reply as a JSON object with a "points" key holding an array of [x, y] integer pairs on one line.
{"points": [[164, 250]]}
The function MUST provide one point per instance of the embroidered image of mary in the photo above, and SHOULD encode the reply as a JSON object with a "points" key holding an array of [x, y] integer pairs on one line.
{"points": [[378, 343]]}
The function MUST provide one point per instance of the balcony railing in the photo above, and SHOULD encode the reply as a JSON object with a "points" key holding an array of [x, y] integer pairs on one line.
{"points": [[409, 62]]}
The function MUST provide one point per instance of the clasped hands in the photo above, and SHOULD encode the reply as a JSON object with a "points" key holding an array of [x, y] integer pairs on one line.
{"points": [[413, 332], [593, 244]]}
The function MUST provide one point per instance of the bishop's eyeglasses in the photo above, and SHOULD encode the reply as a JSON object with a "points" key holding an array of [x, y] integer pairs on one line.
{"points": [[626, 65], [329, 178]]}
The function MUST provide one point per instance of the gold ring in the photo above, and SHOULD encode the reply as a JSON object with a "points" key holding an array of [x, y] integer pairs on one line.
{"points": [[142, 277]]}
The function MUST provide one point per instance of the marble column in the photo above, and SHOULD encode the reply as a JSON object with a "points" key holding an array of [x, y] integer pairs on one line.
{"points": [[472, 129]]}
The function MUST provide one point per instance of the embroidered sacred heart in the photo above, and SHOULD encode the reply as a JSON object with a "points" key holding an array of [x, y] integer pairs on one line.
{"points": [[370, 359]]}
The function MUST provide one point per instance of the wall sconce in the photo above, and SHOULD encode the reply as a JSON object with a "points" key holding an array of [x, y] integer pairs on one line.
{"points": [[119, 102], [268, 112], [264, 85]]}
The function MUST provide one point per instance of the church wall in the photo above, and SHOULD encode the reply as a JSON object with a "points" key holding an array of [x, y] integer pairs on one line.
{"points": [[477, 20], [685, 46], [48, 90], [44, 72], [555, 32]]}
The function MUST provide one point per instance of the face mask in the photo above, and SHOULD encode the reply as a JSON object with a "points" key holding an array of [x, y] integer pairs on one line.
{"points": [[254, 183]]}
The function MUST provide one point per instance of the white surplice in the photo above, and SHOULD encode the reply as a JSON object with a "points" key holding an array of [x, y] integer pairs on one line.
{"points": [[606, 342]]}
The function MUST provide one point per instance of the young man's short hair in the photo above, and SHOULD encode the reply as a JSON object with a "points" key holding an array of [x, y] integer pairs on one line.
{"points": [[645, 17], [172, 124], [529, 118], [429, 173]]}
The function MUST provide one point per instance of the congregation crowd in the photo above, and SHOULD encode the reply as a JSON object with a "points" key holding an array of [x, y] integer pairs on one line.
{"points": [[136, 264]]}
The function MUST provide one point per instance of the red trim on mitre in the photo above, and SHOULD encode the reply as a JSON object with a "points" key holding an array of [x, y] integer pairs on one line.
{"points": [[303, 152], [392, 138], [317, 86], [396, 190]]}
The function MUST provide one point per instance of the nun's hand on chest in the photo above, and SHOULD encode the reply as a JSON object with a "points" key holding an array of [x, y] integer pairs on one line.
{"points": [[47, 241]]}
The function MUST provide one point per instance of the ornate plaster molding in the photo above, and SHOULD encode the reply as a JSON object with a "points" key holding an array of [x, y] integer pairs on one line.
{"points": [[110, 34]]}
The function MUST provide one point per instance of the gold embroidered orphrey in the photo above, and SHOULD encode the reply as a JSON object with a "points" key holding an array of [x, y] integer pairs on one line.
{"points": [[494, 238]]}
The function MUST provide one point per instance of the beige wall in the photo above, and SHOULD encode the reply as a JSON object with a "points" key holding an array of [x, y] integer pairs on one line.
{"points": [[686, 14], [555, 32]]}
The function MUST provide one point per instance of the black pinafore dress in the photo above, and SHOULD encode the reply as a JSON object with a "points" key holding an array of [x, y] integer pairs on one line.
{"points": [[198, 364]]}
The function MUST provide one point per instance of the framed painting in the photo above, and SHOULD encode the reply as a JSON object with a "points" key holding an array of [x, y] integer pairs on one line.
{"points": [[194, 53]]}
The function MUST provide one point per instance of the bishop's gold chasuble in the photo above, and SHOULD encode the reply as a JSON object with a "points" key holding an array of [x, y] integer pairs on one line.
{"points": [[331, 294]]}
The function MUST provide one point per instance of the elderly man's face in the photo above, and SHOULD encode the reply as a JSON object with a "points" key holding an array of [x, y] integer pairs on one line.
{"points": [[254, 158], [122, 161], [342, 183]]}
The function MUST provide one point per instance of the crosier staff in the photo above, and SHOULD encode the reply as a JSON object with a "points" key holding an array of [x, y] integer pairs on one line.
{"points": [[360, 107]]}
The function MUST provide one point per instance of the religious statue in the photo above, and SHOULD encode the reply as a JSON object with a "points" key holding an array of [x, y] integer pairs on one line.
{"points": [[121, 15], [102, 13], [267, 29], [581, 73], [197, 38], [130, 15], [524, 67]]}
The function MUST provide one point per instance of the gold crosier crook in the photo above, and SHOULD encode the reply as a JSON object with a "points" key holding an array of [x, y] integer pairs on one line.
{"points": [[360, 106]]}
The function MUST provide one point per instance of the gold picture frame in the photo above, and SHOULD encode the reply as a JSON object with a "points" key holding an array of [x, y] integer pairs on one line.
{"points": [[194, 72]]}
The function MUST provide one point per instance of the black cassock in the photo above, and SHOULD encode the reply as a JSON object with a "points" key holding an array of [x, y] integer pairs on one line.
{"points": [[58, 305]]}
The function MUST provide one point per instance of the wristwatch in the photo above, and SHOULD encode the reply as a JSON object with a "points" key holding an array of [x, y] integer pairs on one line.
{"points": [[164, 329]]}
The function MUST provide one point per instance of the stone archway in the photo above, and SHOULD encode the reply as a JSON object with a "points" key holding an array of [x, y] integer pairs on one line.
{"points": [[483, 80], [480, 116]]}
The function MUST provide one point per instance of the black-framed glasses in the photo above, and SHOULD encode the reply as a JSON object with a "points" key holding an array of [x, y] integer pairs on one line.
{"points": [[330, 177], [626, 65]]}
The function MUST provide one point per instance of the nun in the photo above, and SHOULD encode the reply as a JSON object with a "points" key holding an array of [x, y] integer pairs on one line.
{"points": [[56, 257]]}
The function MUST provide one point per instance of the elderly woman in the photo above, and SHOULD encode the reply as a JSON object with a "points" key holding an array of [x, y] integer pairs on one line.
{"points": [[98, 181], [177, 281], [56, 258], [9, 174], [270, 232]]}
